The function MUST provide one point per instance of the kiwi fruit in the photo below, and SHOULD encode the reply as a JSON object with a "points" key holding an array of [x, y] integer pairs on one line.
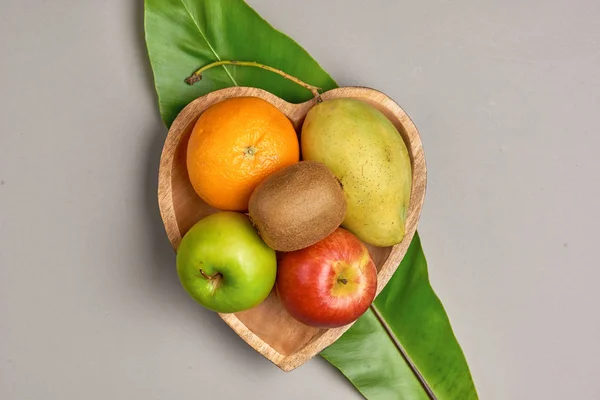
{"points": [[297, 206]]}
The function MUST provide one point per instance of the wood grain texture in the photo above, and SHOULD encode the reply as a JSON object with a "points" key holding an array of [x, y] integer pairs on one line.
{"points": [[268, 328]]}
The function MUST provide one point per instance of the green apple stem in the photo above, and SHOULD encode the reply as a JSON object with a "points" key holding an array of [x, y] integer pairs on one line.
{"points": [[197, 76], [216, 276]]}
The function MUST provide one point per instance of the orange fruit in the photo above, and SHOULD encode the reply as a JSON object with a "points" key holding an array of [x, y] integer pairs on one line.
{"points": [[234, 145]]}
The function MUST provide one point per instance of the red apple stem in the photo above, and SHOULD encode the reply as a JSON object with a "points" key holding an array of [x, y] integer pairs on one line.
{"points": [[343, 281], [197, 76]]}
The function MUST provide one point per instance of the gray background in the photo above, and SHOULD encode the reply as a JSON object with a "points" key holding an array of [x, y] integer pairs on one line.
{"points": [[506, 95]]}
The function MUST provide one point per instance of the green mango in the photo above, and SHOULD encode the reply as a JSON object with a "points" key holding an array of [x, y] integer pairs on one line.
{"points": [[365, 151]]}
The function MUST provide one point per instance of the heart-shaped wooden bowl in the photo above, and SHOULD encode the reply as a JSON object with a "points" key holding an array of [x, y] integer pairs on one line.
{"points": [[268, 328]]}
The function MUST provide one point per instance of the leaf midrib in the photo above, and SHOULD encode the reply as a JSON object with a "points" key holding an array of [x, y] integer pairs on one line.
{"points": [[403, 352], [207, 42]]}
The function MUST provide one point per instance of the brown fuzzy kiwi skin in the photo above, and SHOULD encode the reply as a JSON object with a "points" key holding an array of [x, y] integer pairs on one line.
{"points": [[297, 206]]}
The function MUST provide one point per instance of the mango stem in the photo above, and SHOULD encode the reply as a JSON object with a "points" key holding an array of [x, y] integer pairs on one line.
{"points": [[197, 76]]}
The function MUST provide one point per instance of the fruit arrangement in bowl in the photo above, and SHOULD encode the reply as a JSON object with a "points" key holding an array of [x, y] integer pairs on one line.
{"points": [[288, 219]]}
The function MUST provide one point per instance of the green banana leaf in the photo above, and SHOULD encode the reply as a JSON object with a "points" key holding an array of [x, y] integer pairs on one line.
{"points": [[405, 343], [404, 347], [184, 35]]}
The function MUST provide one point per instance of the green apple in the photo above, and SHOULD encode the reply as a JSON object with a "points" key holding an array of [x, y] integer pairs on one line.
{"points": [[224, 265]]}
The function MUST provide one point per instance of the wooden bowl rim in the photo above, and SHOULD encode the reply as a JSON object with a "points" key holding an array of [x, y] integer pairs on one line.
{"points": [[419, 180]]}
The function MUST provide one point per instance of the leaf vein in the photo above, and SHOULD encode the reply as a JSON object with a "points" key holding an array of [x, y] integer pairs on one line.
{"points": [[206, 40], [403, 353]]}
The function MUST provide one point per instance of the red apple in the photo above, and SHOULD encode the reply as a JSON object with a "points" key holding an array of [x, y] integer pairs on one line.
{"points": [[328, 284]]}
